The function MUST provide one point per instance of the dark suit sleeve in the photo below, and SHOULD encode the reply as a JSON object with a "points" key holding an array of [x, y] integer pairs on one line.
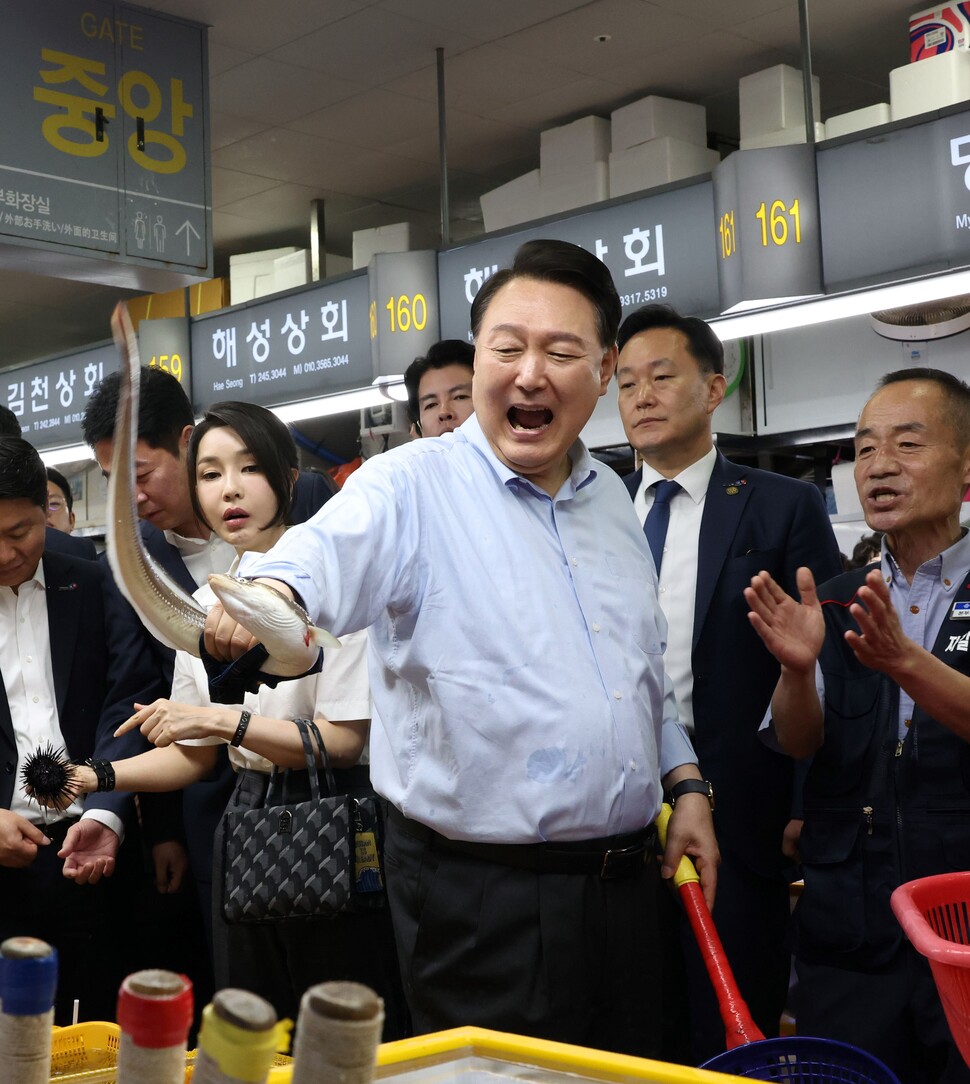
{"points": [[310, 494], [132, 677], [811, 542]]}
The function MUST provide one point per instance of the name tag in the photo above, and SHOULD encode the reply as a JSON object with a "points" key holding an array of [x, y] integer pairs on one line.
{"points": [[960, 611]]}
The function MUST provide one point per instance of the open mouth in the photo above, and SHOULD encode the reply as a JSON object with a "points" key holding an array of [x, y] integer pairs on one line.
{"points": [[529, 419], [234, 515], [882, 496]]}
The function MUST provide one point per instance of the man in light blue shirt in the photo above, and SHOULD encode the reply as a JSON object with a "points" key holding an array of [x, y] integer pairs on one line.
{"points": [[875, 682], [523, 719]]}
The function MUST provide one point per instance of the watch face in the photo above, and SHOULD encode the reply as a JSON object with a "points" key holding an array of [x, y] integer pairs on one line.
{"points": [[735, 356]]}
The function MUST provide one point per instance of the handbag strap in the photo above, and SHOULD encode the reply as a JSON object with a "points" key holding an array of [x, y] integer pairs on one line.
{"points": [[313, 772], [324, 757]]}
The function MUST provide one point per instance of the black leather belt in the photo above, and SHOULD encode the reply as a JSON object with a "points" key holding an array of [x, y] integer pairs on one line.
{"points": [[57, 830], [610, 858]]}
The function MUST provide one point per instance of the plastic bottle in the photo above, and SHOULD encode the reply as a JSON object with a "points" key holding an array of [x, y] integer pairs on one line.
{"points": [[239, 1037], [154, 1014], [28, 980], [337, 1034]]}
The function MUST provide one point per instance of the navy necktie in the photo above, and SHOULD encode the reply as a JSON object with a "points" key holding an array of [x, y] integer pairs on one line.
{"points": [[655, 525]]}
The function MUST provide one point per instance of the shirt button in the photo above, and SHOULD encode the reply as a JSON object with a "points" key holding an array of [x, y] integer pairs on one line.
{"points": [[596, 628], [617, 695], [914, 609], [574, 562], [36, 699], [30, 658], [907, 722], [947, 582], [633, 765], [663, 590]]}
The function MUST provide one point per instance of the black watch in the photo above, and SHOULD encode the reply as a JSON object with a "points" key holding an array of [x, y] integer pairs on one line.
{"points": [[692, 786]]}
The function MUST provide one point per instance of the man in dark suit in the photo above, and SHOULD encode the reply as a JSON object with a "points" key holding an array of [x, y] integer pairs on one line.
{"points": [[188, 551], [726, 523], [70, 678]]}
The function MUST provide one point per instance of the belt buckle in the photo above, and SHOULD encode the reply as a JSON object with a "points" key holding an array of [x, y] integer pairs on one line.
{"points": [[623, 862]]}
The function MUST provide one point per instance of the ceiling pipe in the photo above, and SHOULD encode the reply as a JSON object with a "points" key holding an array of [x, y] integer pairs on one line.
{"points": [[443, 150]]}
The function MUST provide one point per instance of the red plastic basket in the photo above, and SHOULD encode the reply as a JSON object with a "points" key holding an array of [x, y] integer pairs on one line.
{"points": [[934, 913]]}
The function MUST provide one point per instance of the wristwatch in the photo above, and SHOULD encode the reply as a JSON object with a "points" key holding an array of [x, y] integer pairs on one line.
{"points": [[692, 786]]}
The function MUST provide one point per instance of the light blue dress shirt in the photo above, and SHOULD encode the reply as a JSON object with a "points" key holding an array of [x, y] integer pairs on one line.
{"points": [[515, 640], [921, 606]]}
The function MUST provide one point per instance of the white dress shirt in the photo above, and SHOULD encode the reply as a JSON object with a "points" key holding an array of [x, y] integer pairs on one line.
{"points": [[28, 680], [678, 569], [202, 556]]}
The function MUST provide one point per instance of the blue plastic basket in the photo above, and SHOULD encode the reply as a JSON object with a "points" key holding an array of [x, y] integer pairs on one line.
{"points": [[801, 1060]]}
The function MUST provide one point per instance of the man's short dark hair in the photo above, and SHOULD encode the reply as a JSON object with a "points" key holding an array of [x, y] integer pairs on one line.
{"points": [[22, 473], [55, 476], [565, 264], [442, 353], [955, 391], [9, 423], [702, 344], [269, 442], [164, 410]]}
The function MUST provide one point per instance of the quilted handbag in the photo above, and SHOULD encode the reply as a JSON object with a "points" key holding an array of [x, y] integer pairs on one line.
{"points": [[287, 861]]}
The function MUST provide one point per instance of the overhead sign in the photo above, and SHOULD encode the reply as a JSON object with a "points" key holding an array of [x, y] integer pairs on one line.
{"points": [[657, 249], [50, 397], [291, 347], [403, 308], [164, 344], [896, 204], [105, 144], [766, 232]]}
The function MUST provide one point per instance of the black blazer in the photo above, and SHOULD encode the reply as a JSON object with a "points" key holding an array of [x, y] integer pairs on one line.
{"points": [[98, 675], [753, 520], [74, 545]]}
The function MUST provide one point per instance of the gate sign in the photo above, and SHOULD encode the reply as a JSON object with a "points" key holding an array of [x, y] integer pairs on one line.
{"points": [[766, 231], [105, 143], [300, 345], [49, 397], [657, 248]]}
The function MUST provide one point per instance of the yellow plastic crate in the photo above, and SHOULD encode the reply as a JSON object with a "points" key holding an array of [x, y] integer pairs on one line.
{"points": [[89, 1052]]}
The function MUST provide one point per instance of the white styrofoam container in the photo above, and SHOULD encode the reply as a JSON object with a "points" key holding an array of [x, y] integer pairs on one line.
{"points": [[654, 117], [253, 274], [858, 120], [784, 137], [516, 201], [565, 189], [658, 162], [931, 83], [291, 271], [773, 100], [584, 141], [396, 237]]}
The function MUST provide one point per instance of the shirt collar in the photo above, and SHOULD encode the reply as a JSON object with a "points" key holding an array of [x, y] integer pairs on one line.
{"points": [[188, 546], [582, 470], [694, 479], [37, 582], [948, 567]]}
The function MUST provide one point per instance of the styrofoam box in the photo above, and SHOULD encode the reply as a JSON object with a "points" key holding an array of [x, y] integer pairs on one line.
{"points": [[512, 203], [395, 237], [291, 271], [658, 162], [253, 274], [564, 189], [584, 141], [929, 84], [858, 120], [937, 30], [773, 100], [785, 137], [655, 117]]}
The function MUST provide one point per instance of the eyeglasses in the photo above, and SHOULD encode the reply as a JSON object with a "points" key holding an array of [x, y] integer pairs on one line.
{"points": [[56, 505]]}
